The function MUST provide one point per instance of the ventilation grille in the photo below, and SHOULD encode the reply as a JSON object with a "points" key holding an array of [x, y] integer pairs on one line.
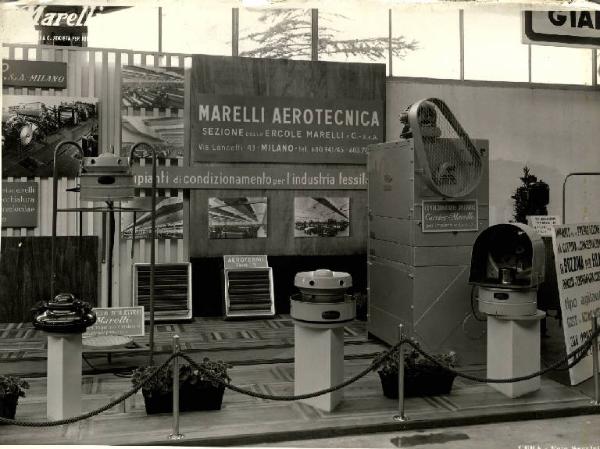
{"points": [[249, 292], [172, 290]]}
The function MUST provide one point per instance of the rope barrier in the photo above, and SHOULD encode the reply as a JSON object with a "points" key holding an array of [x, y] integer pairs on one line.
{"points": [[95, 412], [347, 382], [577, 354]]}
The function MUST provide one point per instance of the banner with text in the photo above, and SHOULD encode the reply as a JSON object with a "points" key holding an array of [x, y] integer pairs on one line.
{"points": [[18, 73], [254, 176], [577, 258], [227, 128]]}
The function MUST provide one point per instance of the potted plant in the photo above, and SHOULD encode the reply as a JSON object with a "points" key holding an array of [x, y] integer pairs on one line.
{"points": [[199, 389], [422, 377], [11, 388]]}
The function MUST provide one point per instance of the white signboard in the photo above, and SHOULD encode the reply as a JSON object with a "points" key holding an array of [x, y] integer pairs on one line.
{"points": [[577, 256], [562, 28], [245, 261], [126, 321], [543, 223]]}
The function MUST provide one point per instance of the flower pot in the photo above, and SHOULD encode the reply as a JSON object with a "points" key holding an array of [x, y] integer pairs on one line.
{"points": [[201, 396], [418, 382], [8, 406]]}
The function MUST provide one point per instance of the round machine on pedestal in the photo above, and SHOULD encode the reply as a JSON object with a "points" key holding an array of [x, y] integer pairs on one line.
{"points": [[507, 266], [320, 311], [65, 318], [322, 301]]}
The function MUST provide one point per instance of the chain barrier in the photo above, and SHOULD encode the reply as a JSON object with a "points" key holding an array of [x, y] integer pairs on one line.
{"points": [[577, 354], [95, 412]]}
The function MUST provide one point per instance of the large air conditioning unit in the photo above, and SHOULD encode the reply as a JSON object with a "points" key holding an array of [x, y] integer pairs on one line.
{"points": [[428, 198], [172, 290]]}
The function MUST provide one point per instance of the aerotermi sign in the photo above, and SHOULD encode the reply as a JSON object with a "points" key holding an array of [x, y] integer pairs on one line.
{"points": [[562, 28]]}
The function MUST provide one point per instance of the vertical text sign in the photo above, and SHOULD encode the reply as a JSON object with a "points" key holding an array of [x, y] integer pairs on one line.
{"points": [[577, 257]]}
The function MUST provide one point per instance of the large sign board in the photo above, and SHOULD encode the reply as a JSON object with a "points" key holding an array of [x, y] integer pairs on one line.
{"points": [[254, 176], [562, 28], [20, 73], [577, 257], [449, 216], [283, 129], [126, 321], [20, 204]]}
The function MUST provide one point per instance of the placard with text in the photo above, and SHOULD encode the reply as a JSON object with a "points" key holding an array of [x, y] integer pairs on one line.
{"points": [[20, 204], [577, 258], [449, 216]]}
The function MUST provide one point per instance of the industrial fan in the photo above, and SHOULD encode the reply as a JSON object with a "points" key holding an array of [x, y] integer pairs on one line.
{"points": [[450, 162], [428, 198]]}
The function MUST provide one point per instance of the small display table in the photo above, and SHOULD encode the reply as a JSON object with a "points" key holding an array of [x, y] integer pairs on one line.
{"points": [[319, 362], [64, 376], [513, 350]]}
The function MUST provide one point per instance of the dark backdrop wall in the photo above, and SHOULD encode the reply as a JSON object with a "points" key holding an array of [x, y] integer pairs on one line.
{"points": [[322, 82], [25, 272]]}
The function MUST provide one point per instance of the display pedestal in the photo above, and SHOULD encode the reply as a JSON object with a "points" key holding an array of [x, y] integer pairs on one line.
{"points": [[319, 362], [64, 376], [513, 350]]}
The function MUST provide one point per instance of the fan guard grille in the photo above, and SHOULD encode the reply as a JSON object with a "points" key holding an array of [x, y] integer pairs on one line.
{"points": [[451, 164]]}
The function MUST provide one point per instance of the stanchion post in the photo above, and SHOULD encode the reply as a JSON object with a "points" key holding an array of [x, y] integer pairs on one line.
{"points": [[175, 435], [596, 400], [400, 416]]}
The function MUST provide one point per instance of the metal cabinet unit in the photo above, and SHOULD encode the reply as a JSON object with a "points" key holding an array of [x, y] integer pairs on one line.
{"points": [[417, 276]]}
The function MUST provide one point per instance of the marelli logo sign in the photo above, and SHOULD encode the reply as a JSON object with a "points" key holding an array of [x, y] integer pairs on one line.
{"points": [[72, 19]]}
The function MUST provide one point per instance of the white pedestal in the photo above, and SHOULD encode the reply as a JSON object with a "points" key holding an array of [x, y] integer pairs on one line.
{"points": [[64, 376], [319, 363], [513, 350]]}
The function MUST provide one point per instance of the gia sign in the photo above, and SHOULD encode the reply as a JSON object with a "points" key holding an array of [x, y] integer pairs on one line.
{"points": [[577, 258], [562, 28]]}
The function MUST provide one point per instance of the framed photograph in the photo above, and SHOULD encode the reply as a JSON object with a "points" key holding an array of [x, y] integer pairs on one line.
{"points": [[152, 87], [33, 125], [169, 218], [165, 134], [237, 218], [321, 217]]}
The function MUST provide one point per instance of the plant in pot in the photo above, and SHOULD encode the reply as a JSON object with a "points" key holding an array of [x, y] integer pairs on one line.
{"points": [[11, 389], [199, 389], [422, 377]]}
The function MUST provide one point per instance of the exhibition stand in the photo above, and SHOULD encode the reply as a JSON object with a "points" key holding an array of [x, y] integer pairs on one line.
{"points": [[64, 376], [513, 350], [320, 313]]}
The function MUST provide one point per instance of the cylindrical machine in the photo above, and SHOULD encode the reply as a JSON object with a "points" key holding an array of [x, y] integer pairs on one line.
{"points": [[323, 285], [322, 299], [508, 265]]}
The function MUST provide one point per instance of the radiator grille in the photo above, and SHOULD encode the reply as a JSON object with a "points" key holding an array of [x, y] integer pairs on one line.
{"points": [[249, 292], [172, 290]]}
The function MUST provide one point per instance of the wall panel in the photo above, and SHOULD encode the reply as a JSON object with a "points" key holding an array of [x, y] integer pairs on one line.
{"points": [[93, 72]]}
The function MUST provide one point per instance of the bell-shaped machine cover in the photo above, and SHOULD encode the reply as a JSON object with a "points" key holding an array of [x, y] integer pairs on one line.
{"points": [[508, 255], [450, 163]]}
